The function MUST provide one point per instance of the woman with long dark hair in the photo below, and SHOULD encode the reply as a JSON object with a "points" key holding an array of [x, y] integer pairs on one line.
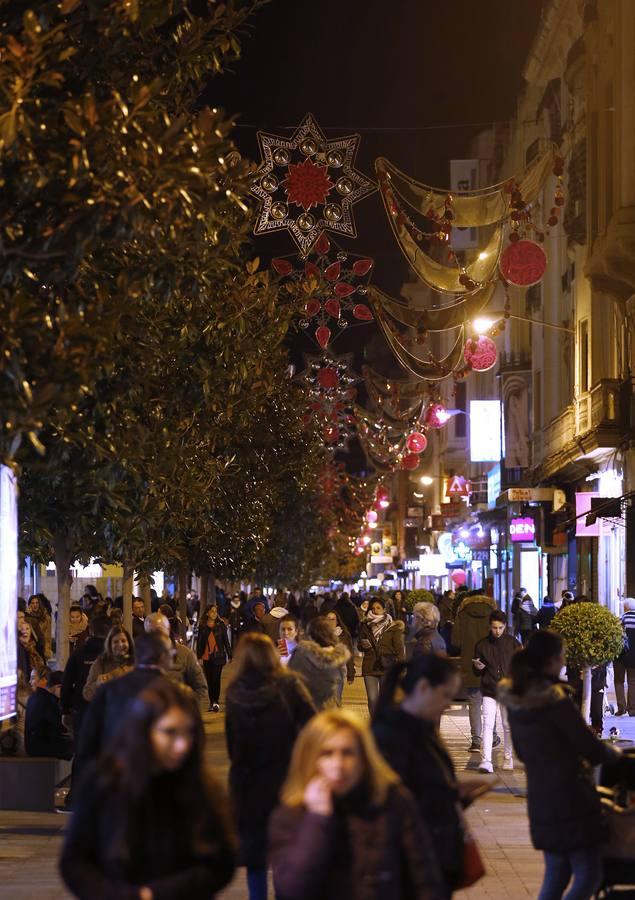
{"points": [[558, 749], [407, 734], [149, 822], [321, 658], [266, 706], [213, 650], [346, 827], [382, 641], [116, 659]]}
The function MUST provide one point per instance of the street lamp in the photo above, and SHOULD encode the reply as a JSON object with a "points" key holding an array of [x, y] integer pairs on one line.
{"points": [[427, 480]]}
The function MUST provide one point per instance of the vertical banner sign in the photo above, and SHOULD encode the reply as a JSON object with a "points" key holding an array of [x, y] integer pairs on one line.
{"points": [[516, 418], [8, 593]]}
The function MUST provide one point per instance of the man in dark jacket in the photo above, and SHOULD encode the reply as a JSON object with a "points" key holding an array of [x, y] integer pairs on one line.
{"points": [[138, 617], [471, 623], [547, 613], [492, 659], [347, 611], [76, 672], [43, 731], [624, 665], [153, 657]]}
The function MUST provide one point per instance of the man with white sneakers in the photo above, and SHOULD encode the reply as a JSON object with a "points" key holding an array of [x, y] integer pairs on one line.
{"points": [[492, 658]]}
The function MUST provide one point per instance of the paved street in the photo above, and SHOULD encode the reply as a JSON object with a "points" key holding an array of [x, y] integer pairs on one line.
{"points": [[30, 842]]}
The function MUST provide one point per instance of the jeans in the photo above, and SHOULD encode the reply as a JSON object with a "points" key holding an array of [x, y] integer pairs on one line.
{"points": [[474, 699], [490, 708], [213, 674], [585, 866], [620, 672], [372, 683], [257, 884]]}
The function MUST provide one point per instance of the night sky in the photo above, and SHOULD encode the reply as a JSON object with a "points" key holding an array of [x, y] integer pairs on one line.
{"points": [[416, 78]]}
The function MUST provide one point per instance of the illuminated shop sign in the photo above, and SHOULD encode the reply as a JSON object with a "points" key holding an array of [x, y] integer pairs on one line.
{"points": [[522, 529]]}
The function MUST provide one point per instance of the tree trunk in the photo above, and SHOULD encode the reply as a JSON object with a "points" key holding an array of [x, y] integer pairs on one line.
{"points": [[204, 581], [183, 574], [212, 589], [128, 575], [144, 587], [63, 559], [586, 693]]}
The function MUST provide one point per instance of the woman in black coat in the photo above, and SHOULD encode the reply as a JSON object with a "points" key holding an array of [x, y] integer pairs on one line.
{"points": [[266, 707], [407, 735], [149, 822], [558, 749], [213, 650]]}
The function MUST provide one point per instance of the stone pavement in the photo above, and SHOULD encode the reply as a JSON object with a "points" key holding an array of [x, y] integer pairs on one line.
{"points": [[30, 842]]}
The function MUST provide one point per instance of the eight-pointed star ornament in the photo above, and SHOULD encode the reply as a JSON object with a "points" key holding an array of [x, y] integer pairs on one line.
{"points": [[307, 184]]}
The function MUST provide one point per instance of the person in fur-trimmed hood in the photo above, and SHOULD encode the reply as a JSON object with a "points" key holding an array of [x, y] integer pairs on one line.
{"points": [[559, 750], [321, 661]]}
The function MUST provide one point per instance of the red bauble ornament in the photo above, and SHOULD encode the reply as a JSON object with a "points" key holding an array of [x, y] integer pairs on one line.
{"points": [[410, 461], [322, 336], [328, 378], [523, 263], [480, 353], [362, 312], [416, 442], [330, 433], [435, 415], [381, 494]]}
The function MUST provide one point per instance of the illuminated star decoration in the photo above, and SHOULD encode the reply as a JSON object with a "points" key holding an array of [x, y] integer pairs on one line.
{"points": [[327, 384], [308, 184]]}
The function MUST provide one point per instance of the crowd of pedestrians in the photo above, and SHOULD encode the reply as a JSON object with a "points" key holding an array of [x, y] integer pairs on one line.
{"points": [[332, 806]]}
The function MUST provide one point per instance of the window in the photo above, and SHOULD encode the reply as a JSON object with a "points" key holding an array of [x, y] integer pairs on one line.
{"points": [[460, 422], [583, 350]]}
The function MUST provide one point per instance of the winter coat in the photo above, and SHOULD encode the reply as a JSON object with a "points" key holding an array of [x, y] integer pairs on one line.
{"points": [[558, 749], [415, 750], [43, 732], [389, 649], [76, 674], [104, 669], [526, 616], [470, 625], [426, 640], [346, 639], [349, 615], [236, 620], [261, 723], [627, 656], [546, 615], [497, 654], [360, 852], [322, 669], [223, 650], [185, 669], [138, 627], [271, 622], [78, 636], [161, 851], [104, 715]]}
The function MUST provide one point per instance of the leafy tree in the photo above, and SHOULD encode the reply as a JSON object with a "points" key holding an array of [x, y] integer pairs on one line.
{"points": [[593, 636]]}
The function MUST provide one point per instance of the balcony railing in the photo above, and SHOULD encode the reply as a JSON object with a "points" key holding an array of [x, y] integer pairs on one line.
{"points": [[601, 407]]}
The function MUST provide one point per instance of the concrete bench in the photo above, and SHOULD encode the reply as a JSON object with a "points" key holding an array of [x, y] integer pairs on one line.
{"points": [[29, 782]]}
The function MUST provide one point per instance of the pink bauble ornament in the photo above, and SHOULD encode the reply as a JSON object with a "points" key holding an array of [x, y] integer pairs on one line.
{"points": [[480, 353], [371, 516], [523, 263], [459, 577], [416, 442], [435, 415]]}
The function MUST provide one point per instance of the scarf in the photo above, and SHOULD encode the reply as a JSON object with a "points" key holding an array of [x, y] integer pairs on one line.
{"points": [[379, 624], [74, 630], [211, 647]]}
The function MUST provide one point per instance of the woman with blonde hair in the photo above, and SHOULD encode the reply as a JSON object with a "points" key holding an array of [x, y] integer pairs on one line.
{"points": [[266, 706], [424, 635], [346, 826]]}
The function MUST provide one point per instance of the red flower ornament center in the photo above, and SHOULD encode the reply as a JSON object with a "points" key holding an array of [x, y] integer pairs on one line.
{"points": [[307, 184]]}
